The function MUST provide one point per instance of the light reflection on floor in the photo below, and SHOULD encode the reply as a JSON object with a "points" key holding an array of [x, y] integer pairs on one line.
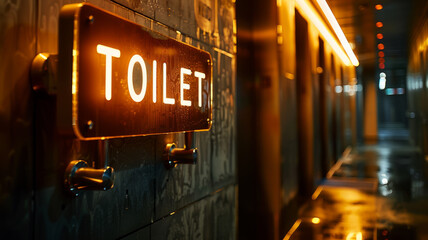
{"points": [[378, 192]]}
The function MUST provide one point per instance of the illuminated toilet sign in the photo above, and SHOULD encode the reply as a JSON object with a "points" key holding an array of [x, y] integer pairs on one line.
{"points": [[120, 79], [137, 59]]}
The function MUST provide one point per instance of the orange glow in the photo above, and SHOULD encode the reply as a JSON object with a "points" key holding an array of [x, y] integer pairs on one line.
{"points": [[137, 59], [200, 76], [378, 6], [184, 71], [109, 53], [166, 99], [382, 60], [317, 192], [379, 24], [309, 12], [293, 229], [355, 235], [379, 36], [381, 65], [280, 40], [381, 54], [316, 220], [338, 30], [380, 46], [74, 82], [44, 56], [279, 29], [154, 80]]}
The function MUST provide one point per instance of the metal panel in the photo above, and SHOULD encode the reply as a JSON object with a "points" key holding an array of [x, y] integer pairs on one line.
{"points": [[210, 218], [315, 92], [139, 235], [145, 7], [223, 130], [111, 104], [288, 110], [177, 187], [94, 214], [417, 71], [17, 48], [259, 120], [210, 21]]}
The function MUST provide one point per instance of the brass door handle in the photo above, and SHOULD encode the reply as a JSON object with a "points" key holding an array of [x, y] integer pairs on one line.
{"points": [[79, 176]]}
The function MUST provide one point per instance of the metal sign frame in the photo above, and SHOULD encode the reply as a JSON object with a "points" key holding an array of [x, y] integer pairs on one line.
{"points": [[119, 79]]}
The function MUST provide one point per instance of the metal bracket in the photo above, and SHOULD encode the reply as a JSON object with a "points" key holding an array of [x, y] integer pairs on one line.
{"points": [[44, 73], [187, 155], [79, 176]]}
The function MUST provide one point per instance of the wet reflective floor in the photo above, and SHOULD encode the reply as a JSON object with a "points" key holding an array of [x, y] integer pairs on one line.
{"points": [[374, 192]]}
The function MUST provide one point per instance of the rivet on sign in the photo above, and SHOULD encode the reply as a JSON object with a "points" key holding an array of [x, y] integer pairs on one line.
{"points": [[90, 124]]}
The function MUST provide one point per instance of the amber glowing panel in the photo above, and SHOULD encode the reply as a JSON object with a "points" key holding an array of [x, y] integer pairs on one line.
{"points": [[130, 81], [309, 12], [338, 30]]}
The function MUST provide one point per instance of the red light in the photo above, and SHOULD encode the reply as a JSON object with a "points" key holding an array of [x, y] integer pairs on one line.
{"points": [[382, 60], [379, 36], [381, 54], [381, 65], [380, 46], [379, 24], [378, 6]]}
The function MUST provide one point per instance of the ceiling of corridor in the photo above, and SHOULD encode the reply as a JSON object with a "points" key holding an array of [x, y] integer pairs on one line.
{"points": [[358, 20]]}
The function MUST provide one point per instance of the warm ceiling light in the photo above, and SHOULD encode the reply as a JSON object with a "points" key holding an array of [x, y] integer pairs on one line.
{"points": [[382, 81], [309, 12], [379, 24], [316, 220], [355, 235], [381, 54], [382, 65], [379, 36], [378, 6], [380, 46], [338, 30]]}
